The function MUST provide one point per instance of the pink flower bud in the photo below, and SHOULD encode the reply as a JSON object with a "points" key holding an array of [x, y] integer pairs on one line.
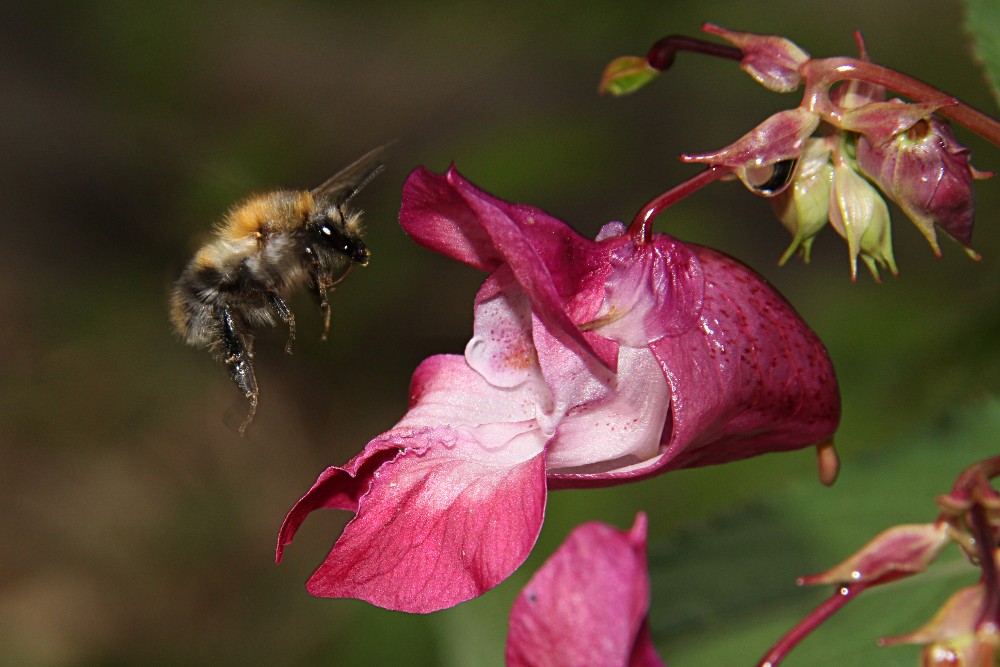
{"points": [[918, 163], [773, 61], [895, 553], [763, 157]]}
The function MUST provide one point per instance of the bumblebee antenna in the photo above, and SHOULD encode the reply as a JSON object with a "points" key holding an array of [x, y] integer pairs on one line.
{"points": [[346, 183]]}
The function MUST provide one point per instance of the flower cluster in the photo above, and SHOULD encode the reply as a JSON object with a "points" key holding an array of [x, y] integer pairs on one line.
{"points": [[592, 363], [827, 159]]}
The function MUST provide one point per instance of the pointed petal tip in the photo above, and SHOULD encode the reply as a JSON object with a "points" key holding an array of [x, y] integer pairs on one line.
{"points": [[640, 528]]}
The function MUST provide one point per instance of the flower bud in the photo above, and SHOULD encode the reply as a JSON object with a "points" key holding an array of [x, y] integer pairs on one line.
{"points": [[895, 553], [773, 61], [767, 151], [926, 171], [860, 215], [805, 206]]}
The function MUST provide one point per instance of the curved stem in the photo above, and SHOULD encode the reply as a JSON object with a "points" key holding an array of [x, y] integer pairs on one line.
{"points": [[661, 55], [815, 618], [827, 71], [980, 524], [641, 228]]}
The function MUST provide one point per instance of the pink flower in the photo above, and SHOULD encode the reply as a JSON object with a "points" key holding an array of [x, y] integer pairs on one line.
{"points": [[587, 605], [592, 363]]}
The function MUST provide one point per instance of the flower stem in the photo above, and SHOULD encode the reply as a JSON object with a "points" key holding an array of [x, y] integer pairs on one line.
{"points": [[661, 55], [641, 228], [824, 72], [989, 617], [815, 618]]}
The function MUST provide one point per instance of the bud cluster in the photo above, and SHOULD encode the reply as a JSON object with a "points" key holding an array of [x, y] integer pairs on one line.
{"points": [[845, 149]]}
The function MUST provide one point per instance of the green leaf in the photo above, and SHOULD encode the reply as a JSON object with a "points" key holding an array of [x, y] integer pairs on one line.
{"points": [[982, 21]]}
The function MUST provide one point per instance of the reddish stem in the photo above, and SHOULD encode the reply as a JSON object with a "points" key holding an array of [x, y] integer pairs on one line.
{"points": [[641, 228], [815, 618], [825, 72], [962, 493], [661, 55], [981, 530]]}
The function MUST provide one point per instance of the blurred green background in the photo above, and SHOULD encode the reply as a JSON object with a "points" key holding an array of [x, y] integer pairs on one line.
{"points": [[140, 529]]}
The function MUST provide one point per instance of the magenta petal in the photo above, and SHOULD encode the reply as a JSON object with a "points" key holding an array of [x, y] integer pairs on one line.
{"points": [[530, 268], [654, 290], [436, 528], [436, 212], [437, 217], [587, 605], [336, 488], [752, 379], [545, 255], [448, 503]]}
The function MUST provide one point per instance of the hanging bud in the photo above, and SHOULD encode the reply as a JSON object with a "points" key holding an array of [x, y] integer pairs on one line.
{"points": [[922, 168], [804, 207], [860, 215], [764, 158], [771, 60]]}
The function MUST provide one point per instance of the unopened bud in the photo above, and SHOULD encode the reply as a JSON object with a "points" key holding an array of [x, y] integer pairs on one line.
{"points": [[804, 208], [860, 215]]}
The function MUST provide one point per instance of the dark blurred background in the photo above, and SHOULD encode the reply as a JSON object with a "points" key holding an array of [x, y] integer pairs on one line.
{"points": [[140, 529]]}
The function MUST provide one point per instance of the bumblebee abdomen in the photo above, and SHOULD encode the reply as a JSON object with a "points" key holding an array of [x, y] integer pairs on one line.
{"points": [[217, 276]]}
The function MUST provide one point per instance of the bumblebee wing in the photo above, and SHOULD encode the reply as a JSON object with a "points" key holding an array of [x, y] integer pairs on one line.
{"points": [[342, 186]]}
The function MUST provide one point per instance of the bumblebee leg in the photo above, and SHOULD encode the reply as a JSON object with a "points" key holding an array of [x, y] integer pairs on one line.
{"points": [[318, 284], [240, 361], [324, 309], [286, 315]]}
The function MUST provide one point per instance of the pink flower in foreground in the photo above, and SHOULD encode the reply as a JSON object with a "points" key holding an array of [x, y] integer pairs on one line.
{"points": [[592, 363], [587, 604]]}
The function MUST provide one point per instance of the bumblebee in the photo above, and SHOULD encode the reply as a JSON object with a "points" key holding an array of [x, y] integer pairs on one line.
{"points": [[264, 249]]}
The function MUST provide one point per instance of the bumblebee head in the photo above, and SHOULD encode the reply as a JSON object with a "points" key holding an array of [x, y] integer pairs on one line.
{"points": [[332, 235]]}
